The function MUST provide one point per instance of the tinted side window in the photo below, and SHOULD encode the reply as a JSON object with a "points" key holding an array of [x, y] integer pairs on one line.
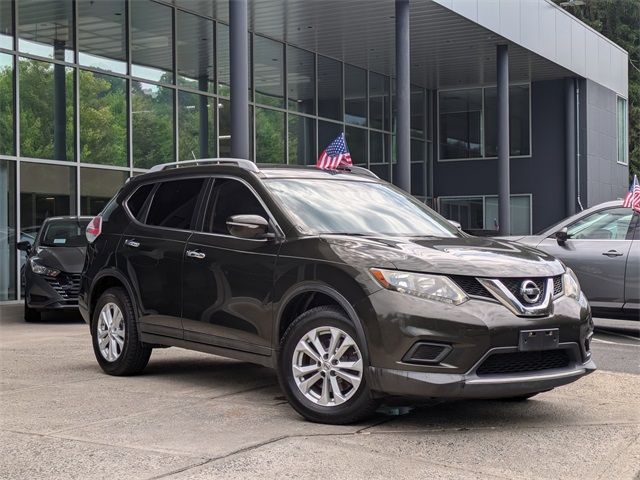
{"points": [[136, 201], [611, 224], [174, 203], [228, 198]]}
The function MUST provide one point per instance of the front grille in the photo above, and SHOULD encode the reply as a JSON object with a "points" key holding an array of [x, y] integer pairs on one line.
{"points": [[471, 286], [518, 362], [67, 285], [514, 284], [557, 285]]}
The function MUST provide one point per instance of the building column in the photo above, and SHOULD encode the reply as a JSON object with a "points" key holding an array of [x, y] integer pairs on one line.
{"points": [[59, 104], [403, 92], [239, 70], [504, 187], [570, 145]]}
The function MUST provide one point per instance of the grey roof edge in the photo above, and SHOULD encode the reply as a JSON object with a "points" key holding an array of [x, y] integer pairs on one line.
{"points": [[544, 28]]}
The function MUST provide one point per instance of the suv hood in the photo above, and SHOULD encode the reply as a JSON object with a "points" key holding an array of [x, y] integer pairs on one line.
{"points": [[65, 259], [472, 256]]}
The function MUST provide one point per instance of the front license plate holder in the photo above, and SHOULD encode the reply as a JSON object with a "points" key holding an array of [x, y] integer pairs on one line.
{"points": [[543, 339]]}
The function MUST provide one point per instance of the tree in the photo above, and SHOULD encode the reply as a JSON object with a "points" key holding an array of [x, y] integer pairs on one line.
{"points": [[619, 20]]}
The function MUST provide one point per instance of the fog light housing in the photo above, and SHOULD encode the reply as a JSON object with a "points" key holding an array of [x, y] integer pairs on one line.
{"points": [[427, 353]]}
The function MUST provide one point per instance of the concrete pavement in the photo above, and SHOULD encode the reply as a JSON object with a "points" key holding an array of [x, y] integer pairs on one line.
{"points": [[192, 415]]}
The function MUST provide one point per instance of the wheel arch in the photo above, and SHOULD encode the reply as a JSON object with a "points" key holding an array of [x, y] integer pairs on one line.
{"points": [[109, 278]]}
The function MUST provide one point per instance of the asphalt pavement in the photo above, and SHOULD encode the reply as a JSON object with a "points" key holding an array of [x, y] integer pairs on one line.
{"points": [[192, 415]]}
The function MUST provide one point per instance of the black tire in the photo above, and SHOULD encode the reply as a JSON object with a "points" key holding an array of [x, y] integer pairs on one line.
{"points": [[31, 314], [359, 406], [135, 354]]}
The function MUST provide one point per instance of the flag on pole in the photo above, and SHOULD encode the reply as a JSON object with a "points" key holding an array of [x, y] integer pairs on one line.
{"points": [[632, 200], [335, 155]]}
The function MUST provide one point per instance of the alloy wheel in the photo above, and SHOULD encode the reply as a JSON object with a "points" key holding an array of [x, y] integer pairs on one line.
{"points": [[110, 331], [327, 366]]}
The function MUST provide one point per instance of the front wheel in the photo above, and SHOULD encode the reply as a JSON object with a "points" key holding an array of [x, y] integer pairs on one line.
{"points": [[114, 334], [322, 368]]}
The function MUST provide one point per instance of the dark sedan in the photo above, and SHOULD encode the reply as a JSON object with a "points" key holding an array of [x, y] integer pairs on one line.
{"points": [[53, 266]]}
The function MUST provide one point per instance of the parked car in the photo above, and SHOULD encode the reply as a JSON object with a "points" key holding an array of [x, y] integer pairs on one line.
{"points": [[602, 246], [51, 272], [350, 288]]}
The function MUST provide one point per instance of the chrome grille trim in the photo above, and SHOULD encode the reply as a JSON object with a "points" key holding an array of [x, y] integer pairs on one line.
{"points": [[504, 296]]}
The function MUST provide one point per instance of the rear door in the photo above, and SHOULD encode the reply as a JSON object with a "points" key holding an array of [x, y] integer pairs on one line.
{"points": [[151, 251], [597, 250], [228, 281]]}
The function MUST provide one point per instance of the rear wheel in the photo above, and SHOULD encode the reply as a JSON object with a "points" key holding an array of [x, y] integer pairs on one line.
{"points": [[114, 334], [322, 368], [31, 314]]}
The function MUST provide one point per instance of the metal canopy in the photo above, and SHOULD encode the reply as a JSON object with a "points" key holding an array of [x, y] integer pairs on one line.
{"points": [[447, 50]]}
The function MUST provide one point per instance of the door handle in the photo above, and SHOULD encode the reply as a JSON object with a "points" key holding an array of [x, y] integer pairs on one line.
{"points": [[612, 253], [195, 254], [131, 243]]}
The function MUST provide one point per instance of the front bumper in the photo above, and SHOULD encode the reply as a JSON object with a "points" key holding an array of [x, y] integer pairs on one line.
{"points": [[408, 383], [48, 293]]}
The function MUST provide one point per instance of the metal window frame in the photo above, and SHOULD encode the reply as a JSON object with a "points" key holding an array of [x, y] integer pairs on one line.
{"points": [[625, 161], [482, 87]]}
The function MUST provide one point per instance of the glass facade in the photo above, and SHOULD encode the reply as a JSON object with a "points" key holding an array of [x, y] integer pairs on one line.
{"points": [[481, 212], [92, 92]]}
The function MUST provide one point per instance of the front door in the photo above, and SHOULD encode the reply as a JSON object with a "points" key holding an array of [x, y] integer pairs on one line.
{"points": [[151, 252], [228, 281], [597, 250]]}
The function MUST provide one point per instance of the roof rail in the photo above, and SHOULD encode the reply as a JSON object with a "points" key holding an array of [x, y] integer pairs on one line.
{"points": [[239, 162], [358, 170]]}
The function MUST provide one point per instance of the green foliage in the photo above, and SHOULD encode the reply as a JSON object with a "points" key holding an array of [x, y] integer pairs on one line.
{"points": [[269, 136], [619, 20], [6, 106]]}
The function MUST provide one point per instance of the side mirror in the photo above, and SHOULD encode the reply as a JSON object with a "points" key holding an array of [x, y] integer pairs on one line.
{"points": [[562, 236], [248, 226], [24, 246]]}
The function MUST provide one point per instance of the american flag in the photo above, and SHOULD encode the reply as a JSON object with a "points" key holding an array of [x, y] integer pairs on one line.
{"points": [[335, 154], [632, 200]]}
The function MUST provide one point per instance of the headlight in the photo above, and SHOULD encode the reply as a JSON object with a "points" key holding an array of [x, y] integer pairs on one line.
{"points": [[433, 287], [570, 284], [42, 270]]}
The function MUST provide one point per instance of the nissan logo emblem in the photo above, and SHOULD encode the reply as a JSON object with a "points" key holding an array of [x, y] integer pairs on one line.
{"points": [[529, 291]]}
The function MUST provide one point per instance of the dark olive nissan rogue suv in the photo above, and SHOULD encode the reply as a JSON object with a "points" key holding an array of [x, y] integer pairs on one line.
{"points": [[352, 289]]}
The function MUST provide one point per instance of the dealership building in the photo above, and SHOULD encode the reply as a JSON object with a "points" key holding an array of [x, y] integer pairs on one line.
{"points": [[469, 104]]}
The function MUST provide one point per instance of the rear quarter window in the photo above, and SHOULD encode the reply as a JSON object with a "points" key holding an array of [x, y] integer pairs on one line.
{"points": [[137, 200]]}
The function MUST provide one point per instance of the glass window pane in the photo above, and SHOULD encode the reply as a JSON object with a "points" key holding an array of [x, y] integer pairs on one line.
{"points": [[302, 140], [379, 101], [418, 179], [418, 116], [8, 250], [224, 128], [268, 71], [6, 27], [6, 105], [46, 110], [355, 92], [222, 51], [329, 88], [46, 28], [622, 131], [301, 82], [152, 124], [174, 203], [379, 147], [196, 67], [327, 133], [417, 151], [460, 121], [103, 119], [468, 212], [381, 170], [97, 186], [151, 41], [269, 136], [520, 214], [102, 35], [45, 191], [357, 144], [518, 121], [196, 126]]}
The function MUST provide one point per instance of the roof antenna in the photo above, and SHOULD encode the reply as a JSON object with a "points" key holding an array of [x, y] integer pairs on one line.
{"points": [[193, 155]]}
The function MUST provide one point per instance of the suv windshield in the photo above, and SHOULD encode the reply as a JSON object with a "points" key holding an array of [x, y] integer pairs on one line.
{"points": [[357, 208], [64, 233]]}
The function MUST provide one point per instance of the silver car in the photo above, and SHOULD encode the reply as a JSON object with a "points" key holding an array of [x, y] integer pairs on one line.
{"points": [[602, 246]]}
